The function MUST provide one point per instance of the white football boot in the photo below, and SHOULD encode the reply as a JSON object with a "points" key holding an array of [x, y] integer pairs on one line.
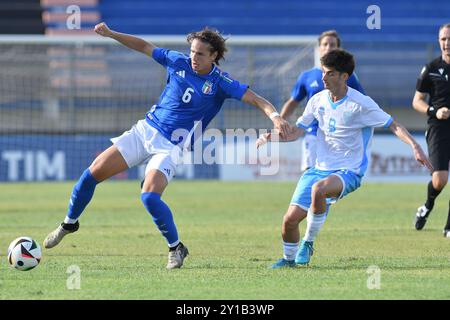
{"points": [[59, 233], [177, 256]]}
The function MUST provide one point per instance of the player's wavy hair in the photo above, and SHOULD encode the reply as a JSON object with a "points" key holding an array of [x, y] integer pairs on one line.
{"points": [[340, 60], [213, 38]]}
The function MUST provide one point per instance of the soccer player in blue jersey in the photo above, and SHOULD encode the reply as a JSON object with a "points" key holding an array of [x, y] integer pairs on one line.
{"points": [[308, 84], [346, 120], [195, 91]]}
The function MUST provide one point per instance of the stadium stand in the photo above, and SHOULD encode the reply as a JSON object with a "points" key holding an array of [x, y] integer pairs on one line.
{"points": [[21, 17], [381, 64], [57, 93], [56, 13], [386, 74], [401, 20]]}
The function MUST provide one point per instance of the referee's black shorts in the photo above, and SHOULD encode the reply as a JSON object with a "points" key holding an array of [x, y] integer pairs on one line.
{"points": [[438, 140]]}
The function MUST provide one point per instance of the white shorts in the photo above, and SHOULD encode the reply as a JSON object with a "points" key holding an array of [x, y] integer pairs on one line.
{"points": [[143, 143], [309, 147]]}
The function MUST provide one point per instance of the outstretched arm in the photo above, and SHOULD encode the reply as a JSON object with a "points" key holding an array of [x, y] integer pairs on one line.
{"points": [[406, 137], [265, 106], [127, 40], [291, 136]]}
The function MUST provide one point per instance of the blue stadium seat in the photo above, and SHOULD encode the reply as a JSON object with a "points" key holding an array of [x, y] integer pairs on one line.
{"points": [[417, 22]]}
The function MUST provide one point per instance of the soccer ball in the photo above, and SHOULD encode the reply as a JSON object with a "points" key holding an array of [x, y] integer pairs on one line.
{"points": [[24, 253]]}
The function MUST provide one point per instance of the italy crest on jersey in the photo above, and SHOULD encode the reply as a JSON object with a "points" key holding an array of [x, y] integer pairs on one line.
{"points": [[207, 87]]}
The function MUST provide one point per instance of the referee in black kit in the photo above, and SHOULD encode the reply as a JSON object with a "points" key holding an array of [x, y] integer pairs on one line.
{"points": [[434, 82]]}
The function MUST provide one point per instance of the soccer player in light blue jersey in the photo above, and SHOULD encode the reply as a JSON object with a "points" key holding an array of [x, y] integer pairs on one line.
{"points": [[195, 91], [346, 119], [308, 84]]}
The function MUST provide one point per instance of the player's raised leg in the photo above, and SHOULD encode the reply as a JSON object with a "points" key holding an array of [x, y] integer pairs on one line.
{"points": [[107, 164], [160, 171], [330, 187]]}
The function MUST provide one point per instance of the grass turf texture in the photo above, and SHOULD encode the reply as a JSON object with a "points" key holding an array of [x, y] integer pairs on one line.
{"points": [[233, 233]]}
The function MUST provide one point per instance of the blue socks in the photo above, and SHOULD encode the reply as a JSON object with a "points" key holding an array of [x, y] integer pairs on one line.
{"points": [[162, 216], [81, 195]]}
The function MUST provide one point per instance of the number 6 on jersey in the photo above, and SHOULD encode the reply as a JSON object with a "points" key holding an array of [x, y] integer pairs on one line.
{"points": [[187, 96]]}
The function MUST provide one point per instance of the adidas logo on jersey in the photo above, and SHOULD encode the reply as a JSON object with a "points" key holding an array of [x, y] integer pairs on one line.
{"points": [[181, 73], [314, 84]]}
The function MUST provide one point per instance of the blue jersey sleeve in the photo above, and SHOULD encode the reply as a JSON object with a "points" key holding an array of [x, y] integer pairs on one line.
{"points": [[167, 58], [232, 88], [298, 92], [353, 82]]}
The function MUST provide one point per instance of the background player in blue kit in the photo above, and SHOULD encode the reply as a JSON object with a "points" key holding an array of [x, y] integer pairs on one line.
{"points": [[195, 91], [308, 84]]}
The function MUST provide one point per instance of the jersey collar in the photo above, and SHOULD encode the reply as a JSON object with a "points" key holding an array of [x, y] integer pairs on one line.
{"points": [[334, 105]]}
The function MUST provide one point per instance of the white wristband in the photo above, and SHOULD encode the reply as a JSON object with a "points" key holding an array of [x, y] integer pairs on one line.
{"points": [[273, 115]]}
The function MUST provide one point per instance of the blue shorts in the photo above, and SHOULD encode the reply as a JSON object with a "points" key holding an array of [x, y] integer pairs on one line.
{"points": [[302, 194]]}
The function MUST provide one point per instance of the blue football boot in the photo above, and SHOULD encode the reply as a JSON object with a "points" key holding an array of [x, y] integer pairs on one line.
{"points": [[305, 252], [283, 263]]}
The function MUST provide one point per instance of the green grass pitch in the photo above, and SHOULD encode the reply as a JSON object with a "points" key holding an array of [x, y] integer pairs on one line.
{"points": [[233, 233]]}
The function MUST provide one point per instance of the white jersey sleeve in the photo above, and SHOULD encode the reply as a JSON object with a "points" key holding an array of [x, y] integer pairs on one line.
{"points": [[307, 118], [372, 115]]}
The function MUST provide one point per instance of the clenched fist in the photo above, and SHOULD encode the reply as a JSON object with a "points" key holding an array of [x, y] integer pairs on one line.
{"points": [[443, 113], [103, 30]]}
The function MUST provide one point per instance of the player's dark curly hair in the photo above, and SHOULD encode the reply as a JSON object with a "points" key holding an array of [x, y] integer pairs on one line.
{"points": [[213, 38], [340, 60]]}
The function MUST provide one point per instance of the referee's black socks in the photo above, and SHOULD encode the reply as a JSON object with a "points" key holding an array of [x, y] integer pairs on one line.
{"points": [[431, 196], [447, 226]]}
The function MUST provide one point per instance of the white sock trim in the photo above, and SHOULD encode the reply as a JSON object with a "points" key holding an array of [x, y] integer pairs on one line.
{"points": [[290, 250], [67, 220], [172, 245]]}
